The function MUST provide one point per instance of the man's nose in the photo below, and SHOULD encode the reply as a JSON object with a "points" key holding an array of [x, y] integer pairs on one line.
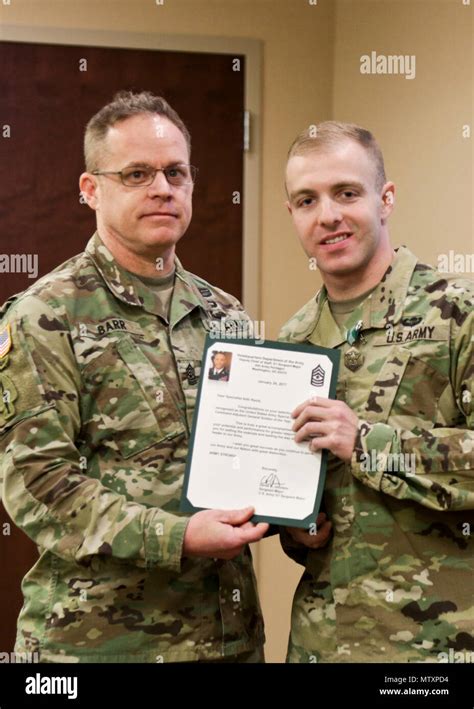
{"points": [[160, 187], [329, 212]]}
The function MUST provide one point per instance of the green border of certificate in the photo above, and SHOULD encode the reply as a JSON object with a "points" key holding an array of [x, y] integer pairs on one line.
{"points": [[333, 355]]}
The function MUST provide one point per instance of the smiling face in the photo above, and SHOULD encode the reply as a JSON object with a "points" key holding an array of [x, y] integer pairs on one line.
{"points": [[219, 361], [338, 210], [140, 221]]}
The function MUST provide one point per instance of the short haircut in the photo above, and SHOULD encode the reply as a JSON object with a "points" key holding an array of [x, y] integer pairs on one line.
{"points": [[329, 133], [125, 104]]}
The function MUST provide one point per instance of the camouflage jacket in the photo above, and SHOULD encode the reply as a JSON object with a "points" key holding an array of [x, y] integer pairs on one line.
{"points": [[395, 584], [98, 398]]}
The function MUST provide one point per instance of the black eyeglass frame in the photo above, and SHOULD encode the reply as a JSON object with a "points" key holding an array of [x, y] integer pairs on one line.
{"points": [[152, 174]]}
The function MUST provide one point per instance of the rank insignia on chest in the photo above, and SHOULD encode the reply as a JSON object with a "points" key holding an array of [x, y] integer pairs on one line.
{"points": [[191, 375], [353, 359], [317, 376]]}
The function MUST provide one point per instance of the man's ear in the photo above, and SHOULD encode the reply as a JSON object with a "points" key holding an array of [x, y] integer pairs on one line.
{"points": [[89, 187], [388, 200]]}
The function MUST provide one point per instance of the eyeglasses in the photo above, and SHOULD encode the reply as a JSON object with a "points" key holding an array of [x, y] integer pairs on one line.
{"points": [[142, 176]]}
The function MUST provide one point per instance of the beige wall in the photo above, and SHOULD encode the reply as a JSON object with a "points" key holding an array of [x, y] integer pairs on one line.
{"points": [[418, 122], [311, 73]]}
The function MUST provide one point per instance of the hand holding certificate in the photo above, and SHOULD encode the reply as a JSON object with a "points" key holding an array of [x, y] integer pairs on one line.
{"points": [[243, 449]]}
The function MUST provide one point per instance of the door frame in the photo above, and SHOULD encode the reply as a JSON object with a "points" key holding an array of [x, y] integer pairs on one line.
{"points": [[252, 50]]}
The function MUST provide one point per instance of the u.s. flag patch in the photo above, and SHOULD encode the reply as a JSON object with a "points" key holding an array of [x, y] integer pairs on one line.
{"points": [[5, 341]]}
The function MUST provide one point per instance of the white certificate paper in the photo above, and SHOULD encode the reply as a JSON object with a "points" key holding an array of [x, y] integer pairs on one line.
{"points": [[242, 449]]}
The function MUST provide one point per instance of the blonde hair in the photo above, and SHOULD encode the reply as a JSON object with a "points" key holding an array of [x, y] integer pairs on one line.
{"points": [[330, 133]]}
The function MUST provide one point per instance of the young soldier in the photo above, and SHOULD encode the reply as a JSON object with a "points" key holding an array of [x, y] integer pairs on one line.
{"points": [[395, 583]]}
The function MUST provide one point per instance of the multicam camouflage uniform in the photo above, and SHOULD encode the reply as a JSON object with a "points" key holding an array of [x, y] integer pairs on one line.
{"points": [[94, 433], [396, 582]]}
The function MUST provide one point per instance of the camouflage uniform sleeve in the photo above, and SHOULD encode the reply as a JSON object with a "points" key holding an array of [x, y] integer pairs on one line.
{"points": [[45, 490], [443, 477], [296, 551]]}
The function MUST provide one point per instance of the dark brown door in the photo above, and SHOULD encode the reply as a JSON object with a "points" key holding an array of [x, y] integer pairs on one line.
{"points": [[48, 93]]}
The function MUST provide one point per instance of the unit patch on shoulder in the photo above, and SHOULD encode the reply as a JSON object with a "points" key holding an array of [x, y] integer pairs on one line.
{"points": [[5, 345]]}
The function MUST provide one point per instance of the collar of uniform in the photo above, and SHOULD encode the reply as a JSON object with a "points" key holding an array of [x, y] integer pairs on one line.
{"points": [[313, 323], [124, 286], [186, 295], [303, 322], [382, 307], [134, 292], [325, 331]]}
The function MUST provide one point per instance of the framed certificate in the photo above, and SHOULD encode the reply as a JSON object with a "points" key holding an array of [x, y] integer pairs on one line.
{"points": [[242, 450]]}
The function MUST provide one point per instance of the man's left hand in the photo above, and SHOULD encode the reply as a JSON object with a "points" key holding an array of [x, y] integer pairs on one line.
{"points": [[328, 424]]}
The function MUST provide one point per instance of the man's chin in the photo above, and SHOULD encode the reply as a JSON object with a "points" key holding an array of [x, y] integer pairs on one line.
{"points": [[162, 239], [340, 267]]}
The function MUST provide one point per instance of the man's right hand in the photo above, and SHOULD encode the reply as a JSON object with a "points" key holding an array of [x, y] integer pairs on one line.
{"points": [[221, 534], [313, 541]]}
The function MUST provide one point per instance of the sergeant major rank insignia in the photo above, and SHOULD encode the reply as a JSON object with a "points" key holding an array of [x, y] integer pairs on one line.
{"points": [[317, 376], [191, 375]]}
